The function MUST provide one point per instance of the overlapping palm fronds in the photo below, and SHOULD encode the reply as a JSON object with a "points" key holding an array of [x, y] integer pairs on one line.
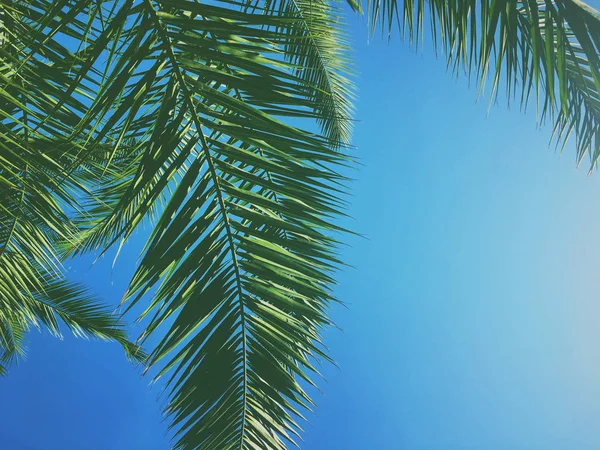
{"points": [[38, 182], [240, 259], [224, 125]]}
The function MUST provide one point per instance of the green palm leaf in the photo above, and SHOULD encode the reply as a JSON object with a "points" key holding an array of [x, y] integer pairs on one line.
{"points": [[548, 48], [33, 292], [223, 125]]}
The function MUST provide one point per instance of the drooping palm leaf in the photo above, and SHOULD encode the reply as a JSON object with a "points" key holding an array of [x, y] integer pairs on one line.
{"points": [[550, 49], [317, 46], [33, 292], [241, 263], [221, 123]]}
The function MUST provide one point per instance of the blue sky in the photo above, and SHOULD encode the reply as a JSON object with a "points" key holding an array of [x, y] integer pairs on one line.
{"points": [[472, 310]]}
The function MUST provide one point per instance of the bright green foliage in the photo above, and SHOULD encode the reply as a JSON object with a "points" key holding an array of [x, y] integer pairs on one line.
{"points": [[34, 223], [223, 125]]}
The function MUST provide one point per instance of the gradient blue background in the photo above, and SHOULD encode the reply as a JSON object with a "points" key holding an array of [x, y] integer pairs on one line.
{"points": [[472, 319]]}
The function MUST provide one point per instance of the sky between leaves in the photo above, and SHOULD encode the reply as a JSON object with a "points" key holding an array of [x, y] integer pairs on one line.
{"points": [[472, 311]]}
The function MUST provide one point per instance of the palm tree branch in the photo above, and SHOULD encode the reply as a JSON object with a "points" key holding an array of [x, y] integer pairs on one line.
{"points": [[550, 45], [188, 98]]}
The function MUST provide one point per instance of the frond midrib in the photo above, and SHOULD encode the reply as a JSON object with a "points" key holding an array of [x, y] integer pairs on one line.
{"points": [[229, 233]]}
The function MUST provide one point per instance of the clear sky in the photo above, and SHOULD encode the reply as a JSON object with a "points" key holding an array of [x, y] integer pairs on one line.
{"points": [[472, 312]]}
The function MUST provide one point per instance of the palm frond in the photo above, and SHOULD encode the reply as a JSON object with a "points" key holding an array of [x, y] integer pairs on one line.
{"points": [[546, 48], [221, 124], [82, 313], [33, 292], [317, 46], [12, 336]]}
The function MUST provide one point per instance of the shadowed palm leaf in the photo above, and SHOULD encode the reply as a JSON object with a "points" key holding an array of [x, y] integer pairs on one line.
{"points": [[223, 124], [243, 249]]}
